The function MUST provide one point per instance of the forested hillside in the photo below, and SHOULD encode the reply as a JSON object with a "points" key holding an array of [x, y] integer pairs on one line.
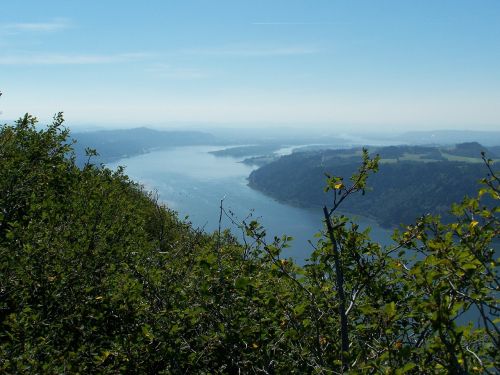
{"points": [[413, 181], [97, 276]]}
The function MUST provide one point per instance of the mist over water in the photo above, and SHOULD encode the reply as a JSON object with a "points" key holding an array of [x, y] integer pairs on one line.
{"points": [[193, 182]]}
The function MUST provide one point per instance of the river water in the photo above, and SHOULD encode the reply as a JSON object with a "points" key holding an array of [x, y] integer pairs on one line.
{"points": [[193, 182]]}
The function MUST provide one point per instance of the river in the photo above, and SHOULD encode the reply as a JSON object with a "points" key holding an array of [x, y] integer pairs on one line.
{"points": [[192, 182]]}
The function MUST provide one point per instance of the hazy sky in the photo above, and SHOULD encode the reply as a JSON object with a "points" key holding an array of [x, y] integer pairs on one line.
{"points": [[370, 64]]}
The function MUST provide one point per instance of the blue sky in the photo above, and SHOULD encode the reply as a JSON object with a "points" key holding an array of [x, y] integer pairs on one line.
{"points": [[365, 65]]}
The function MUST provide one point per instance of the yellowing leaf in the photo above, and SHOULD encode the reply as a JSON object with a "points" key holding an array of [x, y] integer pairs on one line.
{"points": [[390, 309]]}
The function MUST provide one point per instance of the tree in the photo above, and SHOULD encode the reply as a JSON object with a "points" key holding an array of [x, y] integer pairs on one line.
{"points": [[429, 303], [96, 275]]}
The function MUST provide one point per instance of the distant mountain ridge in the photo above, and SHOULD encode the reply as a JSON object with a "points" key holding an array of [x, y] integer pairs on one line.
{"points": [[486, 138], [117, 144]]}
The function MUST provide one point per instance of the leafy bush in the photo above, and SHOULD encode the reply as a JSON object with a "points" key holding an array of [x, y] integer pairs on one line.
{"points": [[97, 276]]}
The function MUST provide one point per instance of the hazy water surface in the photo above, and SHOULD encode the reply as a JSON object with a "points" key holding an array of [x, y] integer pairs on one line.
{"points": [[193, 182]]}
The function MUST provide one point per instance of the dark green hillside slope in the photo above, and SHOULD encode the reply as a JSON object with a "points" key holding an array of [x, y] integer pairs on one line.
{"points": [[402, 190], [97, 277]]}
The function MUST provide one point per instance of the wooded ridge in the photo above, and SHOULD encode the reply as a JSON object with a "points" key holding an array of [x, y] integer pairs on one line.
{"points": [[413, 180]]}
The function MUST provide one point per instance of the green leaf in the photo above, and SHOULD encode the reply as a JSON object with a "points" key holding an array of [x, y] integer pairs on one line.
{"points": [[241, 282], [299, 309], [409, 366], [390, 309]]}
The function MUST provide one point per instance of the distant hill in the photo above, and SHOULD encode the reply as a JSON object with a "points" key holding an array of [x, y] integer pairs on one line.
{"points": [[412, 181], [470, 150], [250, 150], [117, 144], [442, 137], [495, 150]]}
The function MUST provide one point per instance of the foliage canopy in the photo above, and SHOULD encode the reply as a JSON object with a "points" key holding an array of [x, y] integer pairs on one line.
{"points": [[96, 275]]}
